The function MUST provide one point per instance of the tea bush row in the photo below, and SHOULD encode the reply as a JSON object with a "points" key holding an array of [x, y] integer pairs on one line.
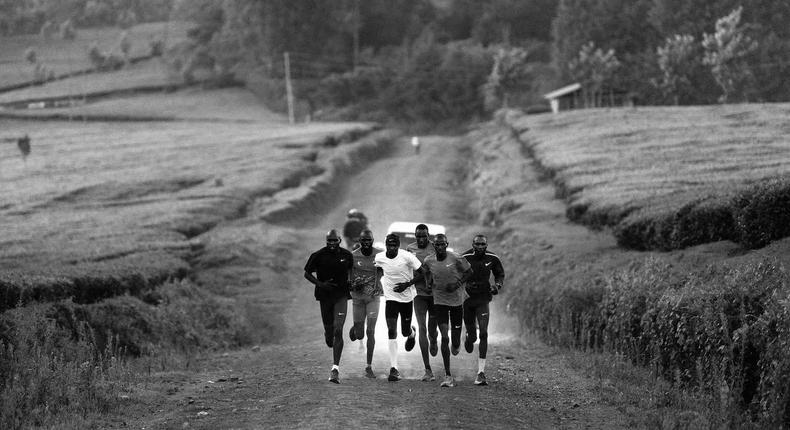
{"points": [[90, 282], [753, 217], [722, 329]]}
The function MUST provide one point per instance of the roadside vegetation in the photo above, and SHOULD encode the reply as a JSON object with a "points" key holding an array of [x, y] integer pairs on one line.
{"points": [[670, 178], [709, 322]]}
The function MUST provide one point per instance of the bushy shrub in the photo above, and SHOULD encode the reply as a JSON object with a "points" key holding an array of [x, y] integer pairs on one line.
{"points": [[762, 213], [103, 61], [719, 328]]}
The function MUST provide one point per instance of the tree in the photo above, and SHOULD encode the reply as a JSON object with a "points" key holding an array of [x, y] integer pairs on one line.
{"points": [[726, 53], [678, 59], [593, 68], [509, 73]]}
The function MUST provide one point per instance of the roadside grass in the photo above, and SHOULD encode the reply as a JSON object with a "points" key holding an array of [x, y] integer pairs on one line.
{"points": [[692, 336], [664, 178], [67, 56], [63, 364]]}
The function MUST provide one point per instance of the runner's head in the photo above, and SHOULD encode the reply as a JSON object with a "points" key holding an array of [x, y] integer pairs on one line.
{"points": [[392, 243], [332, 240], [353, 213], [366, 240], [421, 234], [440, 245], [479, 244]]}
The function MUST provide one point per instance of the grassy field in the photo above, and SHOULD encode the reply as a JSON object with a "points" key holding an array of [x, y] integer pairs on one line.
{"points": [[647, 171], [229, 104], [92, 193], [150, 73], [66, 56]]}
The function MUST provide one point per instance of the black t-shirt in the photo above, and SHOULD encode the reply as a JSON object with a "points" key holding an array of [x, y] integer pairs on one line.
{"points": [[331, 266], [483, 267]]}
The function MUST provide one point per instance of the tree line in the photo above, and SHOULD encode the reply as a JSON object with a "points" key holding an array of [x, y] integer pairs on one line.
{"points": [[460, 58]]}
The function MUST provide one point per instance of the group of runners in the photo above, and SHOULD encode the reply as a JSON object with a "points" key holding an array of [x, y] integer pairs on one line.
{"points": [[445, 291]]}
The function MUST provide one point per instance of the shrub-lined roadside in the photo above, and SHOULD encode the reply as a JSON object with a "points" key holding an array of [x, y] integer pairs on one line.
{"points": [[668, 178], [712, 320], [231, 297]]}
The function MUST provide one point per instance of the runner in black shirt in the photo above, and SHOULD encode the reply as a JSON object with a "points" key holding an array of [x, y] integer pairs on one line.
{"points": [[484, 263], [332, 267]]}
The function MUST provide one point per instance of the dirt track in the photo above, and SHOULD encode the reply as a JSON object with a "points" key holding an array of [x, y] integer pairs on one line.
{"points": [[284, 385]]}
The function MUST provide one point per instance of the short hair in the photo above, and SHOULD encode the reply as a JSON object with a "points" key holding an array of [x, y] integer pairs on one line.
{"points": [[392, 237], [421, 227], [440, 236], [482, 236]]}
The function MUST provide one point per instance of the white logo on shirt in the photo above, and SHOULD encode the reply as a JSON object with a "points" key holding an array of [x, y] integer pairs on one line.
{"points": [[488, 264], [359, 263], [448, 265]]}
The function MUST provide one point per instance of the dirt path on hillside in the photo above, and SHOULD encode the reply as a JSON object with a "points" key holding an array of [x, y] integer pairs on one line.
{"points": [[284, 385]]}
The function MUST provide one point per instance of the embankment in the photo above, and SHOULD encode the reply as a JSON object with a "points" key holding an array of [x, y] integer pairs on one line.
{"points": [[704, 318]]}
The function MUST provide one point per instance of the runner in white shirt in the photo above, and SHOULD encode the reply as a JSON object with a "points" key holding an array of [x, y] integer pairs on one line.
{"points": [[397, 268]]}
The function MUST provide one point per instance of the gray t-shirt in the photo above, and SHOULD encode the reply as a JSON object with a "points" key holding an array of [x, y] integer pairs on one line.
{"points": [[440, 274]]}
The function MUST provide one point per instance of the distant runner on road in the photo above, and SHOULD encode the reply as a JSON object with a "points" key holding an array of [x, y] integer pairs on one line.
{"points": [[332, 267], [446, 273], [415, 142], [481, 292], [365, 295], [397, 269], [423, 302]]}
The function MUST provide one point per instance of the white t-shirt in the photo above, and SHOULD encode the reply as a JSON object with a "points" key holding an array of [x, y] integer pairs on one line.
{"points": [[396, 270]]}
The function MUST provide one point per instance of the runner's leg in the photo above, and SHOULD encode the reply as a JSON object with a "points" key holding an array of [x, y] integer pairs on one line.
{"points": [[482, 320], [391, 316], [470, 323], [421, 304], [340, 310], [328, 319], [372, 311], [442, 320], [456, 321], [406, 310], [359, 318]]}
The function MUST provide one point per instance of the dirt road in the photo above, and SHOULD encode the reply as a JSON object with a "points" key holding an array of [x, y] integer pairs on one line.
{"points": [[284, 385]]}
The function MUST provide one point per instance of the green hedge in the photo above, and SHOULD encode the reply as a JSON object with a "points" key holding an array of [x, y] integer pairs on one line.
{"points": [[762, 213], [722, 326], [89, 282], [752, 217]]}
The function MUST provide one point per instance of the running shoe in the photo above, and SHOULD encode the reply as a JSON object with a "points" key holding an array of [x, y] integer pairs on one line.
{"points": [[481, 379], [352, 335], [449, 381], [455, 349], [433, 347], [410, 339], [469, 344], [428, 377], [334, 376], [394, 375], [369, 373]]}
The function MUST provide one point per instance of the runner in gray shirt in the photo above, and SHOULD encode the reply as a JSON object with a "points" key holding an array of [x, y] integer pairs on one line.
{"points": [[446, 273]]}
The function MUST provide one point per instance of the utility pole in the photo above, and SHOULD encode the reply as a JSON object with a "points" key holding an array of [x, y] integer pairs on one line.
{"points": [[356, 34], [288, 89]]}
